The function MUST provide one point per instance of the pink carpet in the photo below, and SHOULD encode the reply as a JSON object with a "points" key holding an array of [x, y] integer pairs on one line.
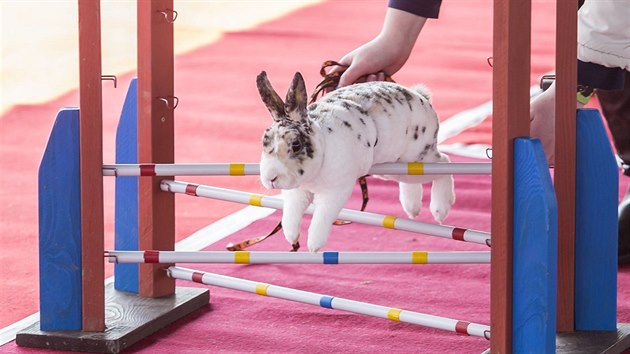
{"points": [[220, 119]]}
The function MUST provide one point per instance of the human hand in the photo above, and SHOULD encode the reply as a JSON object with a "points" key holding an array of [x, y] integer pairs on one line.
{"points": [[542, 120], [542, 116], [385, 54], [372, 61]]}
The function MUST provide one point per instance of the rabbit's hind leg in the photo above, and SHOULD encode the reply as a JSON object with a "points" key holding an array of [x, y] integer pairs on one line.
{"points": [[410, 195]]}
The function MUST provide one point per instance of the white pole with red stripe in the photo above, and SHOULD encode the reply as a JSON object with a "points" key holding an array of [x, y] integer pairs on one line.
{"points": [[328, 257], [247, 169], [331, 302], [387, 221]]}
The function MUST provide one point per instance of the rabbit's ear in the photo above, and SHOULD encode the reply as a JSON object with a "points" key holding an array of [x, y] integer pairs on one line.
{"points": [[295, 105], [270, 98]]}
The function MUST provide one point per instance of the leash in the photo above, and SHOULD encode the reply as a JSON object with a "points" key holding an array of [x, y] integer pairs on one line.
{"points": [[329, 83]]}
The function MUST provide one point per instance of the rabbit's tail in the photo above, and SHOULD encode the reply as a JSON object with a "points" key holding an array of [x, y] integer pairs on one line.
{"points": [[423, 91]]}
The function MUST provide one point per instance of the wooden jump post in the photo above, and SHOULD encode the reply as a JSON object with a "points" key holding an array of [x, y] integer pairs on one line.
{"points": [[527, 265], [73, 295], [91, 154], [156, 144]]}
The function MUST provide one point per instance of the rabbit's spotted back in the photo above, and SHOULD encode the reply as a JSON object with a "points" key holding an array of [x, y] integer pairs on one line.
{"points": [[316, 153], [391, 121]]}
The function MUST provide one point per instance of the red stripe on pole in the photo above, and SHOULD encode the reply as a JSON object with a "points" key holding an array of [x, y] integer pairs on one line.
{"points": [[147, 170], [196, 277], [152, 256], [462, 327], [458, 234], [191, 189]]}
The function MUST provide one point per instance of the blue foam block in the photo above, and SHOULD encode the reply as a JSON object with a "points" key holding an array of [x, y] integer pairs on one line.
{"points": [[535, 251], [60, 227], [126, 209], [597, 182]]}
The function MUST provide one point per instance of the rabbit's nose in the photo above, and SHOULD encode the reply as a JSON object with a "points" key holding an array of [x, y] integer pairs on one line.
{"points": [[273, 179]]}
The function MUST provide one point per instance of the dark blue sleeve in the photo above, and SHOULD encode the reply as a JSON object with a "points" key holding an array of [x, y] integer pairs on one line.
{"points": [[599, 76], [424, 8]]}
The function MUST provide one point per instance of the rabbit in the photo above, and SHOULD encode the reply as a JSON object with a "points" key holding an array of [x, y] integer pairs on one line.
{"points": [[315, 153]]}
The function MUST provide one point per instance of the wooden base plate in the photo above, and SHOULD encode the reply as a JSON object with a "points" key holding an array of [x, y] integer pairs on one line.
{"points": [[594, 341], [128, 319]]}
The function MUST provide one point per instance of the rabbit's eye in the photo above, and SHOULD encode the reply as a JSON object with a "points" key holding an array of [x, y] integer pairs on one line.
{"points": [[296, 146]]}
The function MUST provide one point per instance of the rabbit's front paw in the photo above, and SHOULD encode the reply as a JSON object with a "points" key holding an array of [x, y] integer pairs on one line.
{"points": [[315, 243], [292, 236]]}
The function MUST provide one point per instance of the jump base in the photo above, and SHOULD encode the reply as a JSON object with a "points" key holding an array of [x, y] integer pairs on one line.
{"points": [[602, 342], [128, 319]]}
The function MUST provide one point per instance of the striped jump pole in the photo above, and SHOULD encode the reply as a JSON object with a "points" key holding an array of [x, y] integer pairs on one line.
{"points": [[361, 217], [245, 257], [247, 169], [330, 302]]}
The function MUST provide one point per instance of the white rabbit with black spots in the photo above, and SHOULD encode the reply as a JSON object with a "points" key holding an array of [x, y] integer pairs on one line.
{"points": [[315, 154]]}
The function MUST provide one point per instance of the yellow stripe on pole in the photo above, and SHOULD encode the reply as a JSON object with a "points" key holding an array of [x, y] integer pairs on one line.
{"points": [[241, 257], [419, 257], [237, 169], [256, 200], [261, 289], [388, 221], [415, 168], [394, 314]]}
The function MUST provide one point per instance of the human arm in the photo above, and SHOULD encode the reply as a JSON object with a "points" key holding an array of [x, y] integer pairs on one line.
{"points": [[390, 49], [603, 58]]}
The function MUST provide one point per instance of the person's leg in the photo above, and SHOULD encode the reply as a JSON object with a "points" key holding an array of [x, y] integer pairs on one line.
{"points": [[616, 109], [624, 229]]}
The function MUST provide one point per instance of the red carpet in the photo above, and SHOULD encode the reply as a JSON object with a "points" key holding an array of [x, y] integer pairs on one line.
{"points": [[220, 119]]}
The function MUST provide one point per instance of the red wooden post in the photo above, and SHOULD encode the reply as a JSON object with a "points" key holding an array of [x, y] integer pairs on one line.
{"points": [[566, 83], [91, 152], [156, 210], [510, 119]]}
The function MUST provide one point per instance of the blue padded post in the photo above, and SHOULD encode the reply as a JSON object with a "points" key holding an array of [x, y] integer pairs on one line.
{"points": [[535, 251], [60, 227], [597, 182], [126, 208]]}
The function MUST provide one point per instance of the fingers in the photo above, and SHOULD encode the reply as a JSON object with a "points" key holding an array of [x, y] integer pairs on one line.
{"points": [[354, 76], [357, 69], [350, 76], [380, 76]]}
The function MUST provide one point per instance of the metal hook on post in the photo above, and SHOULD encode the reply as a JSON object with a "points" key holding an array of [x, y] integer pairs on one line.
{"points": [[546, 81], [167, 101], [111, 78], [489, 60], [111, 257], [166, 12]]}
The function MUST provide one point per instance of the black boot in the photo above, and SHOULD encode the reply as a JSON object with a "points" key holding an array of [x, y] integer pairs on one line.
{"points": [[616, 109], [624, 229]]}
